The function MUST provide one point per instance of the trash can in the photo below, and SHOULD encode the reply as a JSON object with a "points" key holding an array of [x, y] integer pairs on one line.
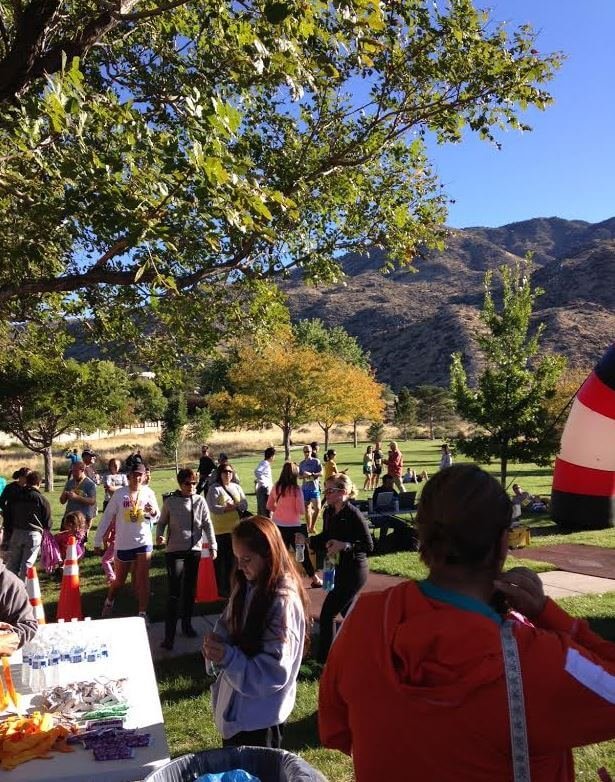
{"points": [[269, 765]]}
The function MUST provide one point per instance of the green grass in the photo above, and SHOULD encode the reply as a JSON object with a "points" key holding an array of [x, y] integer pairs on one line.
{"points": [[183, 686]]}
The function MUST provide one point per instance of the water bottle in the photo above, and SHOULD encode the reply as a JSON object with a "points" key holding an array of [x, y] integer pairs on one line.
{"points": [[328, 573], [210, 667], [299, 552], [26, 662]]}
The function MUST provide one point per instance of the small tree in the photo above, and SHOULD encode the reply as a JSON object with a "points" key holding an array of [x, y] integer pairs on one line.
{"points": [[405, 410], [201, 425], [313, 333], [434, 406], [173, 422], [509, 404], [375, 431], [148, 401]]}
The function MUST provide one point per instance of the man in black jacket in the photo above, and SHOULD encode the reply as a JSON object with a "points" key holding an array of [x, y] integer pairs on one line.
{"points": [[30, 515], [10, 492]]}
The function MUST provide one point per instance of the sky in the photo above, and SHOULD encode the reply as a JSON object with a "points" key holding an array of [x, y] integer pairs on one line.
{"points": [[566, 166]]}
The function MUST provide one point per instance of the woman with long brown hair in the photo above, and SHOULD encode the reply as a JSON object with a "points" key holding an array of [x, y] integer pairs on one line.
{"points": [[286, 503], [258, 642]]}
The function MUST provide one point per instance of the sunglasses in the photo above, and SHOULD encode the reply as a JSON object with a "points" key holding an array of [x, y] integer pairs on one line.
{"points": [[227, 472], [330, 491]]}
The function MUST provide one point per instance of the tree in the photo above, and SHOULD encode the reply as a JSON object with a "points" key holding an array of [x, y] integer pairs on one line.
{"points": [[201, 425], [313, 333], [277, 385], [365, 398], [173, 422], [148, 401], [349, 393], [509, 404], [149, 151], [405, 409], [434, 406], [42, 397]]}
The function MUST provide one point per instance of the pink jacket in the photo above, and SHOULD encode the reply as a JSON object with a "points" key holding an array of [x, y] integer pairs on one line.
{"points": [[288, 508], [395, 463]]}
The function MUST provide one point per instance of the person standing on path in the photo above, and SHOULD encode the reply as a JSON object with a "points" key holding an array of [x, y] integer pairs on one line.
{"points": [[185, 517], [264, 482], [345, 536], [206, 467]]}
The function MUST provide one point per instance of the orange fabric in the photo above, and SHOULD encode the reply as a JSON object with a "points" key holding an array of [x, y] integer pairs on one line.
{"points": [[415, 686]]}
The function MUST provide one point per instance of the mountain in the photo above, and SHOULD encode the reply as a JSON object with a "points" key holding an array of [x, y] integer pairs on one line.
{"points": [[411, 322]]}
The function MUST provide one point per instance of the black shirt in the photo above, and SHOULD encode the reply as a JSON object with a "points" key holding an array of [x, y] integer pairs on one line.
{"points": [[348, 525], [206, 465]]}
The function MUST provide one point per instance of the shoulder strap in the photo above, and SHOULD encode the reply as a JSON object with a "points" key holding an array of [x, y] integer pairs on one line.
{"points": [[516, 705]]}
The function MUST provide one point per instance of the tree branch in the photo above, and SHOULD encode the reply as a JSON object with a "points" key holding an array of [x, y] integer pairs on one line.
{"points": [[148, 14]]}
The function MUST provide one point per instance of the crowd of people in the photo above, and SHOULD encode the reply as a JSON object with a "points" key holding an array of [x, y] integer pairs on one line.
{"points": [[437, 656]]}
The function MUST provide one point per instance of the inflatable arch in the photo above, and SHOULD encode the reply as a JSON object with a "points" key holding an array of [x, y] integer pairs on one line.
{"points": [[583, 494]]}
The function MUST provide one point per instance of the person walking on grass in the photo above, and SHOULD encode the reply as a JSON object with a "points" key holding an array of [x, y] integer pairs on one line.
{"points": [[264, 481], [185, 520], [465, 658], [30, 516], [259, 641], [368, 468], [80, 494], [131, 509]]}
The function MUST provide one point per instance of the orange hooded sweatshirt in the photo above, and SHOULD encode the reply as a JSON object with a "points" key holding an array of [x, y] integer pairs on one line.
{"points": [[414, 688]]}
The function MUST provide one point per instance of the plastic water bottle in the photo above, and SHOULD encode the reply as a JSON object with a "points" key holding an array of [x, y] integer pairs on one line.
{"points": [[328, 573], [26, 662], [210, 667], [299, 552]]}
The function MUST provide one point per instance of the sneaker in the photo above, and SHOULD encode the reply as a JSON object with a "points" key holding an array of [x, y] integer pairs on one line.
{"points": [[107, 610]]}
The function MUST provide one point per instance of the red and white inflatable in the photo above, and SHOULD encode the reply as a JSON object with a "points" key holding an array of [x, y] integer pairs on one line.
{"points": [[583, 494]]}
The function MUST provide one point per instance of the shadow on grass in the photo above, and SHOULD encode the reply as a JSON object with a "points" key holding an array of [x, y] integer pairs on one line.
{"points": [[181, 677], [604, 626], [301, 734]]}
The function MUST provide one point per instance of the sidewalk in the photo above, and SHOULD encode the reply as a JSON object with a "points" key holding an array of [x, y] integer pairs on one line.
{"points": [[556, 583]]}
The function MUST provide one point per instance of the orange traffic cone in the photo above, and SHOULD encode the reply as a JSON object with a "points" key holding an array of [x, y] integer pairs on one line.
{"points": [[33, 588], [206, 587], [69, 605]]}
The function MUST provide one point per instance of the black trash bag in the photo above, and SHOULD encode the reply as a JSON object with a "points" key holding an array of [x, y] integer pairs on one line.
{"points": [[269, 765]]}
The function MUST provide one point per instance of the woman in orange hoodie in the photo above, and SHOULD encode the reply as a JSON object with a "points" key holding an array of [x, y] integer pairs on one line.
{"points": [[422, 678]]}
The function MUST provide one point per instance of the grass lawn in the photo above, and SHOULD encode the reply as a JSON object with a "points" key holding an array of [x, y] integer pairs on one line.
{"points": [[183, 686]]}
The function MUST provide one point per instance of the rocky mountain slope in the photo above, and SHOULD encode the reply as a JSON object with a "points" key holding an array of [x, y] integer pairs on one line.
{"points": [[412, 322]]}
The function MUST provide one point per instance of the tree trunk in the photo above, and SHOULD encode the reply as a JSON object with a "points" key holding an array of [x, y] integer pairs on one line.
{"points": [[176, 460], [326, 431], [431, 427], [503, 464], [286, 431], [48, 457], [355, 436]]}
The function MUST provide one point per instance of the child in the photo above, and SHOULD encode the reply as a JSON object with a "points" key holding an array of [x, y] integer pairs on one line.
{"points": [[259, 640], [74, 526], [106, 560]]}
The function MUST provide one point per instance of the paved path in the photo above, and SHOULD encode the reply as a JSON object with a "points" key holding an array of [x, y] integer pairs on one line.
{"points": [[557, 583]]}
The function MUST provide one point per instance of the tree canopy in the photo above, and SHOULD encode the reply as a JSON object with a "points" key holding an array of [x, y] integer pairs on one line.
{"points": [[510, 404], [150, 149]]}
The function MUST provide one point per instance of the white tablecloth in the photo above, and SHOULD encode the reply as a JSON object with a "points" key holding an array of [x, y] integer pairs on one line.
{"points": [[130, 657]]}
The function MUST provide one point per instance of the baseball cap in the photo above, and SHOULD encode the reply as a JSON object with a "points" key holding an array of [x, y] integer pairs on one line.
{"points": [[87, 452], [139, 468]]}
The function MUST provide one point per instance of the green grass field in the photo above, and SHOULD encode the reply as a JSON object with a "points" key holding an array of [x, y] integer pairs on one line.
{"points": [[183, 686]]}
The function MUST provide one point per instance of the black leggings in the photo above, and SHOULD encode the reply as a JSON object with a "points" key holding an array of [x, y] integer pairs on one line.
{"points": [[288, 536], [182, 571], [224, 563], [347, 583]]}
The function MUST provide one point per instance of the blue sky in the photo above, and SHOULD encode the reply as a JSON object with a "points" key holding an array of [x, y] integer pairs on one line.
{"points": [[566, 166]]}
